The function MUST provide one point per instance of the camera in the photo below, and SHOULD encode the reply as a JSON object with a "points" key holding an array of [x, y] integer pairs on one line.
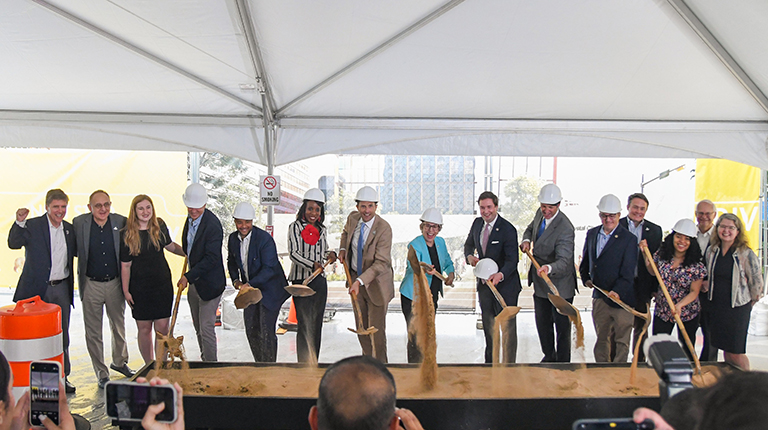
{"points": [[675, 372], [128, 401]]}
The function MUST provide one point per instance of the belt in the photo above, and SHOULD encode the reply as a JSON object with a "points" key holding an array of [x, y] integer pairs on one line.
{"points": [[56, 282], [104, 279]]}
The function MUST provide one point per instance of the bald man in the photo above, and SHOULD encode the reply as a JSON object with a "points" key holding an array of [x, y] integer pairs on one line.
{"points": [[359, 393]]}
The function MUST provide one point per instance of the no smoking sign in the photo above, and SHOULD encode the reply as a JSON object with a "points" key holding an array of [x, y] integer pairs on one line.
{"points": [[269, 187]]}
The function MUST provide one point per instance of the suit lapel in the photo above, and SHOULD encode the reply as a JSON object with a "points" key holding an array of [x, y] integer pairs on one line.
{"points": [[371, 233], [87, 235], [47, 235], [479, 238]]}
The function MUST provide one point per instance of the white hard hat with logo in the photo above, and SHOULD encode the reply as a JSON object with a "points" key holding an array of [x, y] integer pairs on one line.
{"points": [[550, 194], [685, 227], [315, 194], [486, 268], [195, 196], [244, 210], [609, 204], [367, 194], [432, 215]]}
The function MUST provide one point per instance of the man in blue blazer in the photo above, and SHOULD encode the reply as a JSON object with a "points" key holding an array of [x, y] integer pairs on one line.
{"points": [[491, 236], [252, 260], [49, 248], [201, 240], [645, 282], [608, 261]]}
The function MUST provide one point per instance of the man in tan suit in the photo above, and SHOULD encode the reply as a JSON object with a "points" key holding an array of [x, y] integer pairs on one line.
{"points": [[369, 241]]}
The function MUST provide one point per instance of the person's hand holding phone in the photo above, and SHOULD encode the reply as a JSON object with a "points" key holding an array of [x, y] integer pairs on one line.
{"points": [[149, 422], [66, 422], [20, 418]]}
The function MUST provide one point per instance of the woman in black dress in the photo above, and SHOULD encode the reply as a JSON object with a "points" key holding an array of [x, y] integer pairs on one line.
{"points": [[734, 285], [146, 277]]}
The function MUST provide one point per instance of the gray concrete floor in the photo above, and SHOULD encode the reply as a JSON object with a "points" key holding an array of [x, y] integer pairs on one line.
{"points": [[458, 341]]}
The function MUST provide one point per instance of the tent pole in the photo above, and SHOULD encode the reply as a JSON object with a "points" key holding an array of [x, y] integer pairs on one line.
{"points": [[269, 142]]}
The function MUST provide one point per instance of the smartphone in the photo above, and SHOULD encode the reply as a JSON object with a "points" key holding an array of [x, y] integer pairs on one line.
{"points": [[612, 424], [128, 401], [44, 380]]}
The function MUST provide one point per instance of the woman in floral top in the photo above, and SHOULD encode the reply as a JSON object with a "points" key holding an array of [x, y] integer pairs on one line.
{"points": [[681, 267]]}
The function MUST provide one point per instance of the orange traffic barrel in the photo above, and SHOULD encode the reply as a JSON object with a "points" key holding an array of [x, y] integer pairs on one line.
{"points": [[30, 331]]}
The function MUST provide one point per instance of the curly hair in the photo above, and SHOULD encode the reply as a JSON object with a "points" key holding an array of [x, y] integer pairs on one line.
{"points": [[692, 254]]}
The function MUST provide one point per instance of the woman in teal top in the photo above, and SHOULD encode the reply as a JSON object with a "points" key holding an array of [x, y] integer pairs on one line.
{"points": [[429, 249]]}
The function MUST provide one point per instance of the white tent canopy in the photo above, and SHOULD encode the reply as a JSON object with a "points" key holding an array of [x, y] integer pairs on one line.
{"points": [[635, 78]]}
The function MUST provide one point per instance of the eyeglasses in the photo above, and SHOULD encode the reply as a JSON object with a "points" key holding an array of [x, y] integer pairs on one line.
{"points": [[432, 227], [728, 227], [99, 206], [607, 216], [704, 213]]}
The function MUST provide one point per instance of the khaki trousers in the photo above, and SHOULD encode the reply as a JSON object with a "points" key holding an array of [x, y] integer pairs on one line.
{"points": [[609, 320], [97, 296]]}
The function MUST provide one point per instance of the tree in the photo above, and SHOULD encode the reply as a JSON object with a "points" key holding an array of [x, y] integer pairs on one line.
{"points": [[520, 201], [229, 181]]}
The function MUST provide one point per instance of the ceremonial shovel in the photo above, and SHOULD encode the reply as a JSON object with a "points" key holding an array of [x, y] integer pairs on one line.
{"points": [[562, 306], [303, 290], [358, 315]]}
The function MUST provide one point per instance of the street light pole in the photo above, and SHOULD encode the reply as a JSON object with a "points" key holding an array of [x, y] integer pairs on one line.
{"points": [[662, 175]]}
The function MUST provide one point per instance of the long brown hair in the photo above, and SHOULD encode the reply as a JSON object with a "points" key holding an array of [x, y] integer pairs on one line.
{"points": [[132, 238], [740, 241]]}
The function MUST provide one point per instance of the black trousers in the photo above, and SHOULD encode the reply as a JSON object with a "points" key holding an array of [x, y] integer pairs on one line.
{"points": [[661, 326], [260, 324], [412, 349], [309, 315], [708, 352], [555, 349], [489, 308], [59, 295]]}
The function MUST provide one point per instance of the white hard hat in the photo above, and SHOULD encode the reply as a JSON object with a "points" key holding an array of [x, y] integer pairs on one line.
{"points": [[314, 194], [485, 268], [686, 227], [195, 196], [432, 215], [367, 194], [244, 210], [609, 204], [550, 194]]}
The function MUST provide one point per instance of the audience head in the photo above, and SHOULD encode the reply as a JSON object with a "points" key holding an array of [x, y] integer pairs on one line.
{"points": [[355, 393], [7, 402]]}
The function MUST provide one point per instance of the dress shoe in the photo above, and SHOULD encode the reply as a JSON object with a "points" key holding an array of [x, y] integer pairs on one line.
{"points": [[68, 387], [124, 369], [103, 382]]}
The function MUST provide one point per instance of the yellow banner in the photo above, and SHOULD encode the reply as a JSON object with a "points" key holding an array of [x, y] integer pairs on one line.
{"points": [[734, 188], [27, 174]]}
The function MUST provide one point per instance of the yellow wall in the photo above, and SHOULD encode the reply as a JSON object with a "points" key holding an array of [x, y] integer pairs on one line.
{"points": [[734, 188], [27, 174]]}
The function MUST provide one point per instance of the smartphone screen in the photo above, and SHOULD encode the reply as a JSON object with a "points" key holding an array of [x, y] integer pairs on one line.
{"points": [[44, 377], [128, 401]]}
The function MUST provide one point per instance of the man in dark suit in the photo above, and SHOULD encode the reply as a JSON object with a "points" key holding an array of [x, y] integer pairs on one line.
{"points": [[367, 241], [645, 282], [491, 236], [98, 270], [252, 260], [201, 240], [49, 249], [608, 261], [552, 236]]}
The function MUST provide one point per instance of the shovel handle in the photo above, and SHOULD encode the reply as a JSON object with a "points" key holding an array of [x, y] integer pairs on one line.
{"points": [[315, 274], [176, 304], [438, 274], [353, 297], [544, 275], [680, 326], [625, 306], [496, 293]]}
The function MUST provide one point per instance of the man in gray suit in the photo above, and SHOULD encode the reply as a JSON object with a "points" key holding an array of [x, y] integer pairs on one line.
{"points": [[98, 270], [551, 235]]}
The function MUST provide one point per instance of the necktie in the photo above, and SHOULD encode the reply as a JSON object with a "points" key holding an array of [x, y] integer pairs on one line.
{"points": [[360, 243], [541, 228], [191, 235], [486, 234]]}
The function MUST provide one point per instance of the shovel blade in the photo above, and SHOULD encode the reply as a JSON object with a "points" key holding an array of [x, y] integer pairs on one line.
{"points": [[300, 290], [364, 332], [562, 306], [247, 296]]}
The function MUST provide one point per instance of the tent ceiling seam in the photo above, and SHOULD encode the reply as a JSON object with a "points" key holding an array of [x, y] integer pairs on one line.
{"points": [[371, 54], [720, 51], [143, 53]]}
